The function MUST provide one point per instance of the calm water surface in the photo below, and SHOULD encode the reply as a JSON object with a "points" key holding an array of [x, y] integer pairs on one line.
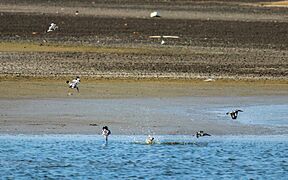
{"points": [[128, 157]]}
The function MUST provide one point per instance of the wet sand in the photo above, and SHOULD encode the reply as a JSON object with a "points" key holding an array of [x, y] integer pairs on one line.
{"points": [[135, 107]]}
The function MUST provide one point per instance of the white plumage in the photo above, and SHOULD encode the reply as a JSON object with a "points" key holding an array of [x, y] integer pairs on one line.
{"points": [[52, 27], [74, 83], [150, 140]]}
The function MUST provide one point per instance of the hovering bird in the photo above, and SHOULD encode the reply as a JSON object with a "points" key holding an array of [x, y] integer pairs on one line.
{"points": [[106, 132], [52, 27], [74, 83], [150, 140], [201, 134], [234, 114]]}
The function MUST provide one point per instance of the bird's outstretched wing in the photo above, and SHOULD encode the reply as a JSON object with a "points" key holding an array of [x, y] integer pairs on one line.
{"points": [[206, 134]]}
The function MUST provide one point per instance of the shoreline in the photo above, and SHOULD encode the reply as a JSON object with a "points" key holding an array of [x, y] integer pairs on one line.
{"points": [[133, 136], [94, 88]]}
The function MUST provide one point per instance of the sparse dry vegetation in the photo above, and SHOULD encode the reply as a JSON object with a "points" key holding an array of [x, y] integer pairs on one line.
{"points": [[224, 39]]}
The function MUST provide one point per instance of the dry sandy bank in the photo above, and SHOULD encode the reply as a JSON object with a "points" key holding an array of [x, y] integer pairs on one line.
{"points": [[55, 87]]}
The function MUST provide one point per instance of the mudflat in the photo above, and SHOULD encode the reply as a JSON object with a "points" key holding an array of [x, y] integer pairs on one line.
{"points": [[45, 106], [227, 39], [238, 47]]}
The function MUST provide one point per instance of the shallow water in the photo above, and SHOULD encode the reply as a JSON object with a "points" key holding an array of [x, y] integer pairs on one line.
{"points": [[260, 114], [128, 157], [268, 110]]}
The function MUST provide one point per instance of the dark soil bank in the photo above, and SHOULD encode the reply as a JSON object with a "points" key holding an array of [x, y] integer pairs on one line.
{"points": [[223, 47]]}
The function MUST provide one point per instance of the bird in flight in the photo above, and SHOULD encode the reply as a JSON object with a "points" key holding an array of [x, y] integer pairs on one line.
{"points": [[52, 27], [234, 114], [201, 134], [74, 83]]}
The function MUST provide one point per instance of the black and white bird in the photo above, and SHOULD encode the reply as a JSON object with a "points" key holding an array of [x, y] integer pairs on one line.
{"points": [[201, 134], [52, 27], [74, 83], [106, 132], [234, 114]]}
